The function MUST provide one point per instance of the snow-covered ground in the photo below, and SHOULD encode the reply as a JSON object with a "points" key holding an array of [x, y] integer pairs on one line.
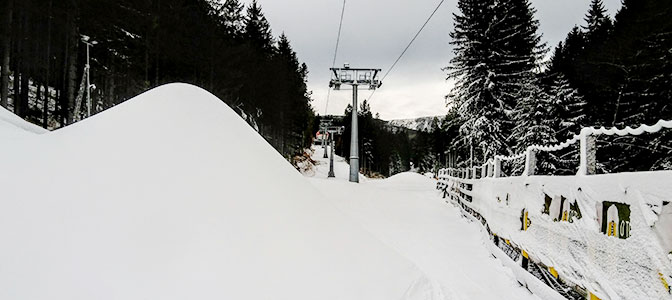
{"points": [[12, 126], [568, 221], [406, 213], [171, 195]]}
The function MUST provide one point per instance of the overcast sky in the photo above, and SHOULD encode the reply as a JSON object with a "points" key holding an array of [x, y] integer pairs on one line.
{"points": [[374, 34]]}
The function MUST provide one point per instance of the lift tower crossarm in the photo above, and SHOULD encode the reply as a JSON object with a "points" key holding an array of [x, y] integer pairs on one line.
{"points": [[355, 76]]}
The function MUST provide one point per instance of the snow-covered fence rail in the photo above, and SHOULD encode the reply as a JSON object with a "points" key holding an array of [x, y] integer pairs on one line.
{"points": [[603, 236], [587, 144]]}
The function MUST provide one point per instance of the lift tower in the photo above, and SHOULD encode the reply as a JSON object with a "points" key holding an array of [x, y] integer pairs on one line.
{"points": [[333, 130], [354, 77], [324, 124]]}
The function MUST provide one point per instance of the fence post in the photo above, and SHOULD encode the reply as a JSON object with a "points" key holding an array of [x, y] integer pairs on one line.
{"points": [[588, 165], [497, 165], [475, 170], [530, 162]]}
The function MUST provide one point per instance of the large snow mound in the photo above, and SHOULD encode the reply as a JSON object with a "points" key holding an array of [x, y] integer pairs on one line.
{"points": [[171, 195], [12, 126]]}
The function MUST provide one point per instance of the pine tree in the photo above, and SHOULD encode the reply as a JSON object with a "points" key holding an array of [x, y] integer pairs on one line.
{"points": [[497, 50], [556, 64], [569, 106], [598, 23], [257, 28], [535, 121]]}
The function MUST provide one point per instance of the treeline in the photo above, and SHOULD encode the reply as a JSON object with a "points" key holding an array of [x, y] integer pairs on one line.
{"points": [[386, 150], [382, 150], [222, 46], [606, 73], [623, 70]]}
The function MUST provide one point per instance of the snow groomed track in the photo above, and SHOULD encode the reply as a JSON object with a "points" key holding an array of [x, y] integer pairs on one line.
{"points": [[407, 214]]}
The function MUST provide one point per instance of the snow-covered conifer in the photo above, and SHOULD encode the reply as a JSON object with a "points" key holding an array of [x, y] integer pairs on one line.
{"points": [[497, 49], [569, 106]]}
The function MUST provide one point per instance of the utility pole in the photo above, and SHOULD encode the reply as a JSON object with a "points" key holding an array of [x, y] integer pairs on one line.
{"points": [[87, 40], [354, 77]]}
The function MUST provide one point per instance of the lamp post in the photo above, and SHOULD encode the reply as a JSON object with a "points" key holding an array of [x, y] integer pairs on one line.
{"points": [[354, 77], [89, 43]]}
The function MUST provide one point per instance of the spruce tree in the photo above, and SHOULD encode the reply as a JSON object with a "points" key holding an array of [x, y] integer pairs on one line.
{"points": [[535, 125], [231, 14], [257, 28], [535, 121], [496, 53], [598, 23], [569, 108]]}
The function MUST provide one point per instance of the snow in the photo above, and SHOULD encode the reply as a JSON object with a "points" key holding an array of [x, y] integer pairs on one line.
{"points": [[405, 212], [12, 126], [578, 250], [423, 124], [171, 195]]}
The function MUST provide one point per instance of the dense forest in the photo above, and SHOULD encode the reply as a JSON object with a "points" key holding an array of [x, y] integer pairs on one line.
{"points": [[222, 46], [608, 72]]}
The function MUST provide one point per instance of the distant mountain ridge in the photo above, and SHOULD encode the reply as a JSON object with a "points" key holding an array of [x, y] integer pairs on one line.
{"points": [[424, 124]]}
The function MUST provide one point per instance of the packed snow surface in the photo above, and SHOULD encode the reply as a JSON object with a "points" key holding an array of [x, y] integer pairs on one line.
{"points": [[12, 126], [171, 195], [406, 213]]}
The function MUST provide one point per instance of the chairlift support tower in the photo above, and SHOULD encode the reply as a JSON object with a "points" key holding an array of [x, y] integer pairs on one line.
{"points": [[354, 77], [333, 130], [324, 125]]}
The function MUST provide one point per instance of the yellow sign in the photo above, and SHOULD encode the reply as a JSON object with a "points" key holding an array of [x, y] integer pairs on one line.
{"points": [[611, 229], [665, 284], [553, 272]]}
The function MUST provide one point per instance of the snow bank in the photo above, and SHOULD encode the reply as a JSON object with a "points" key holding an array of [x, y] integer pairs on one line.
{"points": [[172, 196], [572, 240], [410, 179], [12, 126]]}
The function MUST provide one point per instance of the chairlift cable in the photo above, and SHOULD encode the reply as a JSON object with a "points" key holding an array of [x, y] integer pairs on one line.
{"points": [[333, 63], [408, 46]]}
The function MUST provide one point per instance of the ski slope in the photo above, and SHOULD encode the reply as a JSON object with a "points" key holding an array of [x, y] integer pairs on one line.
{"points": [[171, 195], [406, 213], [12, 126]]}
